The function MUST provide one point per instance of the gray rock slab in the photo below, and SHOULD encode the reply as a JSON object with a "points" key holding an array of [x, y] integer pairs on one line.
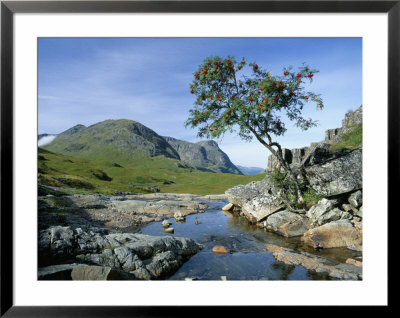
{"points": [[337, 176]]}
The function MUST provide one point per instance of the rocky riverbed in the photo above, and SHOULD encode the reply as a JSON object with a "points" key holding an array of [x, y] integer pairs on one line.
{"points": [[99, 237], [120, 212], [93, 235]]}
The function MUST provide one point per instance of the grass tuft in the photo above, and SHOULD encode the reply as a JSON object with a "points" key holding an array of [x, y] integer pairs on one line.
{"points": [[349, 141]]}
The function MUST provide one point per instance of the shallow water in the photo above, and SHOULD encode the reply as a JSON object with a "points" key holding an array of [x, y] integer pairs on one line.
{"points": [[247, 258]]}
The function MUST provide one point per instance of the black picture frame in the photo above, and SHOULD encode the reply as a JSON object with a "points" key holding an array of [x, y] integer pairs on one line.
{"points": [[8, 8]]}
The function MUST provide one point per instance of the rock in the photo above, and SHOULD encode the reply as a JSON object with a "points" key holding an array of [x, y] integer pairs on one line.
{"points": [[319, 209], [162, 263], [99, 273], [169, 230], [273, 163], [334, 234], [347, 207], [179, 217], [332, 135], [355, 199], [315, 263], [165, 224], [228, 207], [215, 197], [287, 223], [298, 155], [56, 272], [163, 204], [354, 262], [337, 176], [219, 249], [351, 119], [143, 256], [255, 199], [318, 154], [333, 215], [360, 211], [60, 237]]}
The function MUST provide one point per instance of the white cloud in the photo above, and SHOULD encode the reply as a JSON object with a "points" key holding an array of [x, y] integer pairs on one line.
{"points": [[46, 140]]}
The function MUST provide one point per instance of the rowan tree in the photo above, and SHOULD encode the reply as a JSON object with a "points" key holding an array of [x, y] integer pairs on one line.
{"points": [[242, 97]]}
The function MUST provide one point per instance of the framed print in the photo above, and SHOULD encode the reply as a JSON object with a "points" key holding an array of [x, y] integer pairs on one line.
{"points": [[165, 155]]}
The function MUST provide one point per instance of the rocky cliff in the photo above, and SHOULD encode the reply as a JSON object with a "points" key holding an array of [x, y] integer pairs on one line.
{"points": [[335, 175], [319, 151], [203, 155]]}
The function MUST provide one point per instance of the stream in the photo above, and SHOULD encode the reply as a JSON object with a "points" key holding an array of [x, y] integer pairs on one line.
{"points": [[247, 258]]}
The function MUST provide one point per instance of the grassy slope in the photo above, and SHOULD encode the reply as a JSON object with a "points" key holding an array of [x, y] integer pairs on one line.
{"points": [[349, 141], [134, 175]]}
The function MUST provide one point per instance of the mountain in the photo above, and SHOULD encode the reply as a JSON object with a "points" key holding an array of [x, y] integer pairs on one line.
{"points": [[112, 139], [128, 141], [203, 155], [249, 171]]}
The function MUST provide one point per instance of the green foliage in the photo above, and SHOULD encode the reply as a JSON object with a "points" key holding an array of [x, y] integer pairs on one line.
{"points": [[283, 186], [311, 198], [349, 141], [73, 175], [236, 94]]}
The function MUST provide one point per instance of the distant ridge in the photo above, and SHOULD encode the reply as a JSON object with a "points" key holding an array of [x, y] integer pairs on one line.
{"points": [[125, 140], [249, 171], [204, 155]]}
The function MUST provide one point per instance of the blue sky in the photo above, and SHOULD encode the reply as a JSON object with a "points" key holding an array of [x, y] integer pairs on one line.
{"points": [[88, 80]]}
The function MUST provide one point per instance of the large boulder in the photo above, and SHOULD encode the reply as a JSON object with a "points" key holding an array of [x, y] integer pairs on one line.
{"points": [[320, 153], [287, 223], [143, 256], [255, 199], [337, 176], [340, 233], [82, 272]]}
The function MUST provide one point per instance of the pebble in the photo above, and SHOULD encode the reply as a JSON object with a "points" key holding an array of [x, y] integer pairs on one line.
{"points": [[219, 249]]}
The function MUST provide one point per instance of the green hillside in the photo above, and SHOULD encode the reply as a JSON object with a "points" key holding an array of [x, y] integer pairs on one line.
{"points": [[131, 174], [111, 139]]}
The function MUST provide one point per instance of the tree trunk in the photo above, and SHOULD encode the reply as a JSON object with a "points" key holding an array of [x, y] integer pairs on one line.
{"points": [[278, 154]]}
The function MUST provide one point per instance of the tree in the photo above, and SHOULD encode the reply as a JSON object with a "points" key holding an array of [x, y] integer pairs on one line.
{"points": [[234, 95]]}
